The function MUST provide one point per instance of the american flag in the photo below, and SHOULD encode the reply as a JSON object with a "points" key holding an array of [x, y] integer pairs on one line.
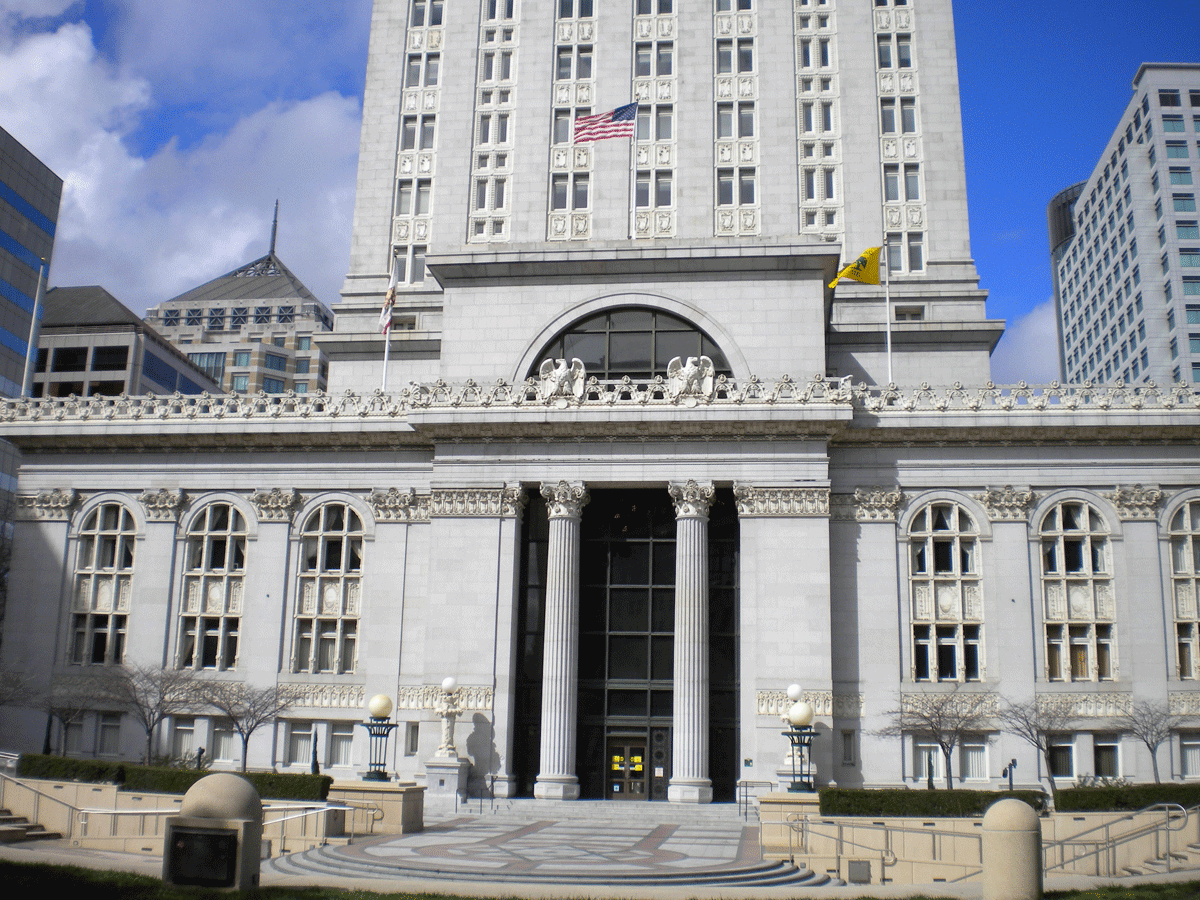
{"points": [[617, 123]]}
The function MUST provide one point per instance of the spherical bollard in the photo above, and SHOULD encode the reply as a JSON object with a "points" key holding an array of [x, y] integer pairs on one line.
{"points": [[1012, 852]]}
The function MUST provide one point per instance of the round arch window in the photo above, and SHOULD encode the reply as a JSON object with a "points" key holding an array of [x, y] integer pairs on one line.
{"points": [[633, 341]]}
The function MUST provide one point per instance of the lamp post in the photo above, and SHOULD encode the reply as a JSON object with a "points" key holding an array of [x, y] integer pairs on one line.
{"points": [[378, 726], [1008, 770], [800, 735]]}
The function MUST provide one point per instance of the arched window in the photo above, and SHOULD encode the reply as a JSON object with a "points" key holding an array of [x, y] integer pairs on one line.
{"points": [[1185, 578], [947, 600], [103, 586], [1078, 594], [331, 546], [214, 566], [633, 341]]}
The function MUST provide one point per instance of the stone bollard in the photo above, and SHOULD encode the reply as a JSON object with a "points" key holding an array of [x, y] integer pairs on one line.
{"points": [[1012, 852], [216, 840]]}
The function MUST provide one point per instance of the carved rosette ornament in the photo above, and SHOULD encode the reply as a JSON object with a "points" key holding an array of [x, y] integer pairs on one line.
{"points": [[565, 500], [395, 505], [506, 502], [761, 502], [277, 504], [56, 505], [692, 499], [1137, 503], [874, 504], [1007, 503], [163, 505]]}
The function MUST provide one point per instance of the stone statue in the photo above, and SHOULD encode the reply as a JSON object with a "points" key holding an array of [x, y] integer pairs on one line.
{"points": [[691, 379], [448, 709], [561, 380]]}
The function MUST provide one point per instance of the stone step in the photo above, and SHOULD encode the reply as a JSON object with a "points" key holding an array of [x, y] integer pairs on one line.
{"points": [[601, 811], [327, 861]]}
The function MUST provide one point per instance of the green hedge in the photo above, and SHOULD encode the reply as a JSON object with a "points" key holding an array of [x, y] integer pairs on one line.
{"points": [[1126, 797], [940, 804], [165, 780]]}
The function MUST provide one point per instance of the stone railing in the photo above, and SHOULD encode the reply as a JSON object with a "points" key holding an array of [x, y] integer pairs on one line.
{"points": [[727, 392]]}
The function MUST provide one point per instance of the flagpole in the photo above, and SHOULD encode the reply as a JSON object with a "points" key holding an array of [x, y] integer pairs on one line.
{"points": [[34, 332], [887, 304]]}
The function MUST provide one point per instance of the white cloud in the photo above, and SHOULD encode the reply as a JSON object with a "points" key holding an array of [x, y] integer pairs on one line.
{"points": [[1029, 349], [148, 228]]}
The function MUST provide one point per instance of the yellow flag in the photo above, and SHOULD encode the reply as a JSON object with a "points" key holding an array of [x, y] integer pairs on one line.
{"points": [[865, 269]]}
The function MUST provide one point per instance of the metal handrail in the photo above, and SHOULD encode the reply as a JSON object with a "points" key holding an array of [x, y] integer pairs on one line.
{"points": [[801, 823], [744, 796], [1106, 847], [41, 795]]}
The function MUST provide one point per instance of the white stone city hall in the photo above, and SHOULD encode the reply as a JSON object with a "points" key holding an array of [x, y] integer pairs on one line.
{"points": [[632, 467]]}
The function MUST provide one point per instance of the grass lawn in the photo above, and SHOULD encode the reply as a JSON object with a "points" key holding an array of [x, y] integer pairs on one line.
{"points": [[25, 880]]}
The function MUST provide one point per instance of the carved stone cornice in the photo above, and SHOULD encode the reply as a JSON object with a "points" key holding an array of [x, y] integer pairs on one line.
{"points": [[54, 505], [1087, 706], [792, 502], [395, 505], [873, 504], [1137, 503], [692, 498], [427, 696], [163, 505], [824, 703], [1184, 703], [505, 502], [326, 696], [277, 504], [565, 500], [1007, 503]]}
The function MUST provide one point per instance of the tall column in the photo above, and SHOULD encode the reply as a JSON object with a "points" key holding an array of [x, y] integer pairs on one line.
{"points": [[689, 760], [560, 653]]}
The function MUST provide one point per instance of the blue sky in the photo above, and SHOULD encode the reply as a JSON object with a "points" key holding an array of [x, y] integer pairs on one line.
{"points": [[176, 124]]}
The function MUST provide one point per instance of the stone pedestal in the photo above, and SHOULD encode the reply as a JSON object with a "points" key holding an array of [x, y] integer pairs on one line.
{"points": [[446, 779], [689, 758], [556, 778]]}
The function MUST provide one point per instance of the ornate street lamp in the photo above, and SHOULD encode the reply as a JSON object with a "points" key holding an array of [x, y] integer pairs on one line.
{"points": [[800, 735], [378, 726]]}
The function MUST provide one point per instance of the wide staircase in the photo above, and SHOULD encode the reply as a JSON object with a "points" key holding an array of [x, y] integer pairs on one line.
{"points": [[574, 843]]}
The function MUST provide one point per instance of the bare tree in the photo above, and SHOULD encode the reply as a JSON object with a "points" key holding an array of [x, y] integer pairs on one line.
{"points": [[152, 693], [944, 718], [247, 707], [1152, 724], [1036, 722], [17, 688]]}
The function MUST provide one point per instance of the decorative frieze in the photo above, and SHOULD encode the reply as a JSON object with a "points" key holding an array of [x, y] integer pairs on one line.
{"points": [[1007, 503], [1137, 503], [427, 697], [1087, 705], [758, 502], [824, 703], [1184, 703], [874, 504], [277, 504], [691, 498], [163, 505], [565, 499], [395, 505], [54, 505], [506, 502], [327, 696]]}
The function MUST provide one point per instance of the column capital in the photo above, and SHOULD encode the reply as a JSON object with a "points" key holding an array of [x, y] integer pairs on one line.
{"points": [[692, 498], [566, 499]]}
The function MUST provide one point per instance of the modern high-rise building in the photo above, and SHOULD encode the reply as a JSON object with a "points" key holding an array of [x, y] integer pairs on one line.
{"points": [[624, 465], [1125, 244], [251, 329]]}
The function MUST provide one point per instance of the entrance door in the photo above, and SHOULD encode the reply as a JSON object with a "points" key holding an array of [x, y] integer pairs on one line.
{"points": [[626, 769]]}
